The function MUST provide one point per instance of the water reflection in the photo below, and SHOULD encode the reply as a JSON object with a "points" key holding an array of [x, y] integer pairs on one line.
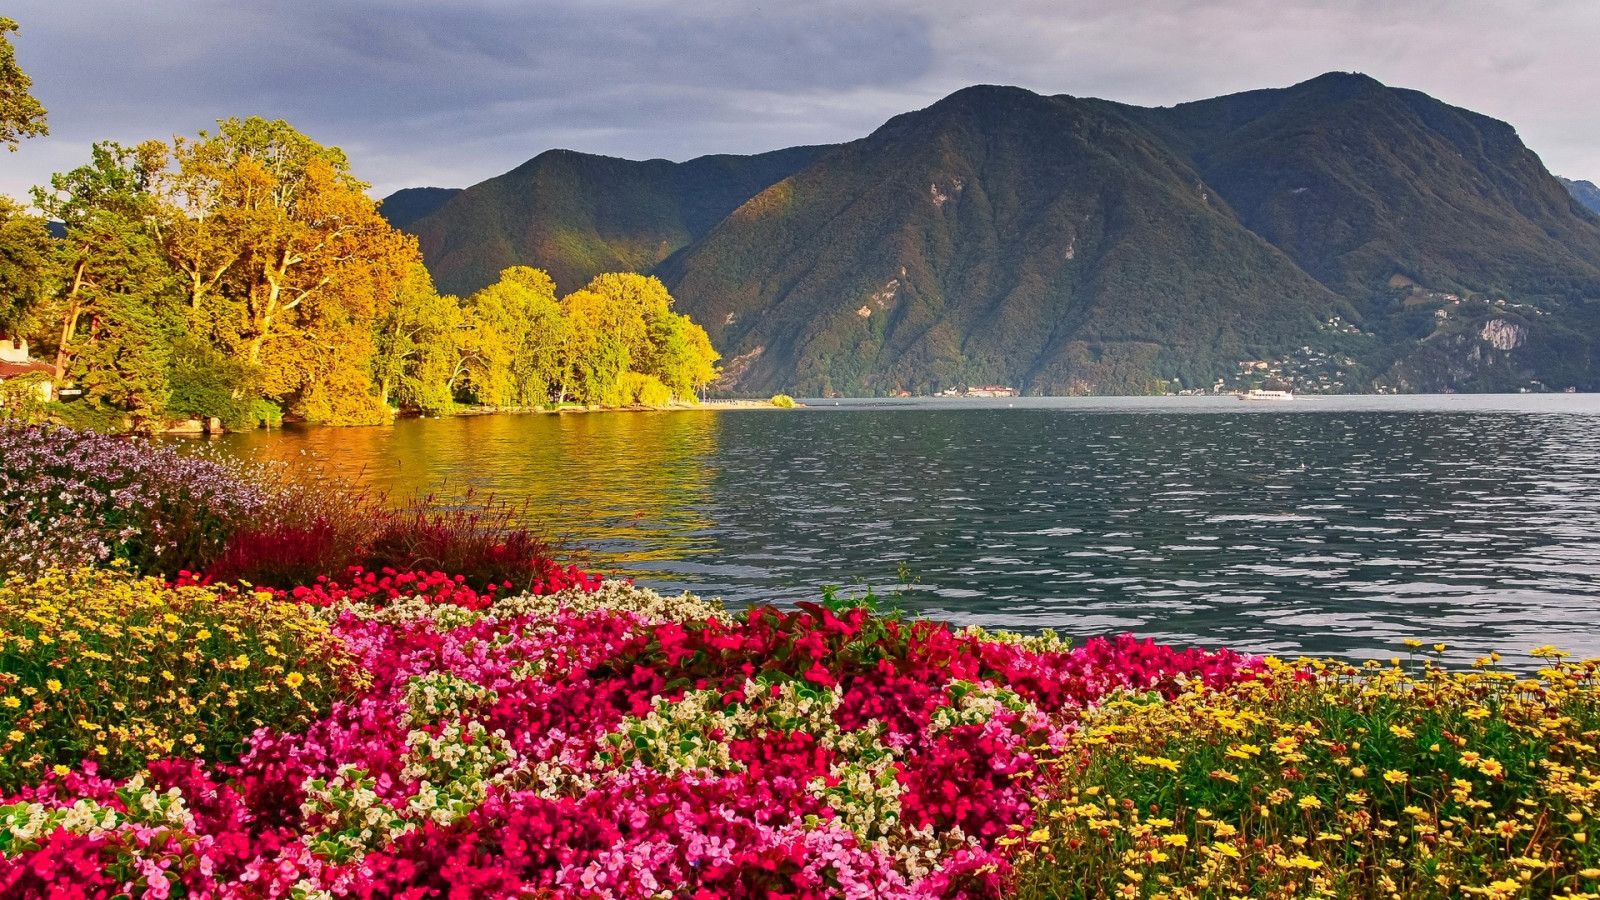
{"points": [[1333, 526], [630, 489]]}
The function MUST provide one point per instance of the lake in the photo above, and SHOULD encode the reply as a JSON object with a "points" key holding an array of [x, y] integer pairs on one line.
{"points": [[1325, 525]]}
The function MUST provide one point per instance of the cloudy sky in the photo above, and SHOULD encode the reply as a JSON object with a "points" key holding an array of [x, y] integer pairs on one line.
{"points": [[449, 92]]}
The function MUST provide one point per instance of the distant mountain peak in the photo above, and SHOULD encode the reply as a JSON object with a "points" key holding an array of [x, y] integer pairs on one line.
{"points": [[1585, 192]]}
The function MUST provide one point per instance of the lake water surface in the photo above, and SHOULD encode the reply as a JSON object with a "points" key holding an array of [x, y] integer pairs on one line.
{"points": [[1322, 525]]}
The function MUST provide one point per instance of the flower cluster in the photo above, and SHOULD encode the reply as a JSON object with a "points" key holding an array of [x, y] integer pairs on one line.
{"points": [[74, 498], [1321, 779], [607, 742], [101, 665]]}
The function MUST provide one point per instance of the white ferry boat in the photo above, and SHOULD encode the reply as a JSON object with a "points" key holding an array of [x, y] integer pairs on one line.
{"points": [[1258, 394]]}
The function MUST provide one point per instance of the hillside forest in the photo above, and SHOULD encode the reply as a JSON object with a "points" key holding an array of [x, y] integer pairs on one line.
{"points": [[245, 274]]}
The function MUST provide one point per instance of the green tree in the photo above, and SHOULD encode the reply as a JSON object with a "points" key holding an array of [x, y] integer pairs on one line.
{"points": [[26, 267], [660, 343], [21, 116], [420, 349], [517, 335], [108, 212], [119, 306]]}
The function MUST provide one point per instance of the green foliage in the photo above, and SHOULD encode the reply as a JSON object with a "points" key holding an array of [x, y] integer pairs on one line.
{"points": [[21, 115], [207, 383], [783, 401], [26, 265], [20, 397], [87, 415], [1320, 779]]}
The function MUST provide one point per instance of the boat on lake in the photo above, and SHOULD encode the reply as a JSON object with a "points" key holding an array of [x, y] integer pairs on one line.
{"points": [[1258, 394]]}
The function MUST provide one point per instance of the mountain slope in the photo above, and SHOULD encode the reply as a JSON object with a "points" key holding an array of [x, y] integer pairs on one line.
{"points": [[1585, 192], [577, 215], [403, 207], [1000, 236], [1358, 182]]}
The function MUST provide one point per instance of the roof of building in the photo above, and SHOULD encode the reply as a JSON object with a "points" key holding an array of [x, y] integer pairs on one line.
{"points": [[13, 369]]}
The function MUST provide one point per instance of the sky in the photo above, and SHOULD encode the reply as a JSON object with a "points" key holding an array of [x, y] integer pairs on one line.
{"points": [[450, 92]]}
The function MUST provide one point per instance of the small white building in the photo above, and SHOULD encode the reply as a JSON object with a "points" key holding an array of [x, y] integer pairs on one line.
{"points": [[15, 363]]}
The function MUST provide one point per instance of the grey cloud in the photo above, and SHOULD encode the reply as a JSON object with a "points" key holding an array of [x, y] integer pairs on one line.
{"points": [[452, 91]]}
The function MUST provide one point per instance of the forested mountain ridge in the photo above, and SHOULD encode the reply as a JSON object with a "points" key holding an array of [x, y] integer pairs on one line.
{"points": [[1351, 235], [998, 236], [408, 205], [576, 215]]}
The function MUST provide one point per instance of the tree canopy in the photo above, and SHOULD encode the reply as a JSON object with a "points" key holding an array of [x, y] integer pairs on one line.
{"points": [[21, 116], [246, 272]]}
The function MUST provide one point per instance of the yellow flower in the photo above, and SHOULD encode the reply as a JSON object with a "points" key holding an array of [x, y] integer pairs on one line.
{"points": [[1413, 643], [202, 634], [15, 736], [1491, 768], [1310, 803], [61, 770], [1175, 840], [1395, 776], [53, 685], [12, 703], [1039, 836], [1401, 731], [295, 679], [167, 675], [241, 662]]}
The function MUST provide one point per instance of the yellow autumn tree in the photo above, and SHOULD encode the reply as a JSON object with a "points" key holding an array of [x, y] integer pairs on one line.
{"points": [[287, 264]]}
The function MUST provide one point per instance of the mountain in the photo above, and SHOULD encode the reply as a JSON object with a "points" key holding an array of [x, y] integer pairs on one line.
{"points": [[1338, 234], [577, 215], [403, 207], [995, 237], [1584, 192], [1359, 182]]}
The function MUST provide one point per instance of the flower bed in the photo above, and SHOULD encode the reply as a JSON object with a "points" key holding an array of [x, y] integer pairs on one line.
{"points": [[604, 741], [76, 498], [101, 666], [1325, 780]]}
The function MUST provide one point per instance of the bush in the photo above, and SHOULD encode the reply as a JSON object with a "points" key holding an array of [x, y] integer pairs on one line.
{"points": [[87, 415], [75, 498], [104, 666], [485, 544], [318, 528], [783, 401], [644, 390], [205, 383]]}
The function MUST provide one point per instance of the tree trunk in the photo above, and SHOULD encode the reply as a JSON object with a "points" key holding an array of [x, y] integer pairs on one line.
{"points": [[69, 327]]}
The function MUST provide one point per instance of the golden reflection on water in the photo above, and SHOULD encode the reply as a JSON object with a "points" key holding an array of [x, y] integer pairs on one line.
{"points": [[622, 488]]}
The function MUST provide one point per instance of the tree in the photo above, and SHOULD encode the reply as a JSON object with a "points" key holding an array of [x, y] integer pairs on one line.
{"points": [[516, 332], [109, 215], [420, 347], [288, 264], [21, 116], [26, 266], [660, 343]]}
